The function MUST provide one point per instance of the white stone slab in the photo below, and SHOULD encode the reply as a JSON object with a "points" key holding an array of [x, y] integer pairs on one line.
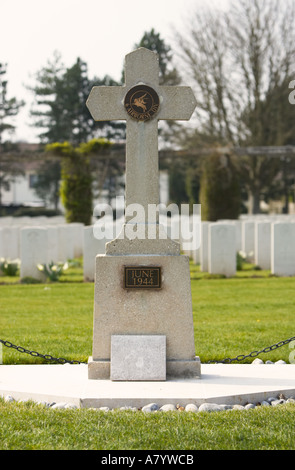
{"points": [[262, 244], [220, 383], [10, 243], [283, 249], [34, 251], [222, 249], [138, 357]]}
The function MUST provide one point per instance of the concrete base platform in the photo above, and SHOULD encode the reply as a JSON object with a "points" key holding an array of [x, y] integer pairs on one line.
{"points": [[219, 383]]}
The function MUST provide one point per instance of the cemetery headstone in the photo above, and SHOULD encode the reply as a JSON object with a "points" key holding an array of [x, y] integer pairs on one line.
{"points": [[283, 249], [142, 284], [10, 248], [222, 249], [263, 245], [34, 251]]}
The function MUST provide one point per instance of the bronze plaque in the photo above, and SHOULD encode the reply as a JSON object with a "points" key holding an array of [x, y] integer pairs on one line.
{"points": [[142, 277], [142, 102]]}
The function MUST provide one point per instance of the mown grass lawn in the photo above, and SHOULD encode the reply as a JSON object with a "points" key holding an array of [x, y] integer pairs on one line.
{"points": [[231, 317], [27, 426]]}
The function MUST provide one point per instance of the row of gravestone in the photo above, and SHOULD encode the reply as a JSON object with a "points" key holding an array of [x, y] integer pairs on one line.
{"points": [[265, 242], [268, 245]]}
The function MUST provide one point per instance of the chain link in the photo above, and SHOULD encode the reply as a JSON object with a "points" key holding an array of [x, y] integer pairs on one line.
{"points": [[62, 360]]}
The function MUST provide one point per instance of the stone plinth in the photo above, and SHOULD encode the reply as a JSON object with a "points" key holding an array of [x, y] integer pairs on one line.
{"points": [[165, 311]]}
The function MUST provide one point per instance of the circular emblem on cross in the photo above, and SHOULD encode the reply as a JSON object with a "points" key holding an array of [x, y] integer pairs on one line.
{"points": [[142, 102]]}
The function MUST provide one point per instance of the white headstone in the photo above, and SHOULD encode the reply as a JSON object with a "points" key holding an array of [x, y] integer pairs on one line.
{"points": [[34, 251], [222, 249], [10, 248], [283, 249], [263, 245]]}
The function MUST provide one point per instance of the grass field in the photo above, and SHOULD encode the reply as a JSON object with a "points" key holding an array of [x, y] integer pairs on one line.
{"points": [[231, 317]]}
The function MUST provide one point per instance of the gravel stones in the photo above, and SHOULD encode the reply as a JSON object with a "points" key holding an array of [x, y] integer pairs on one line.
{"points": [[260, 361], [156, 408]]}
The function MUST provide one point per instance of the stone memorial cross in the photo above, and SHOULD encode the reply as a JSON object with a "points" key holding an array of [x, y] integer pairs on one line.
{"points": [[142, 284], [142, 102]]}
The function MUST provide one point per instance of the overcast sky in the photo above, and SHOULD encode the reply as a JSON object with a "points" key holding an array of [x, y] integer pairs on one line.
{"points": [[100, 32]]}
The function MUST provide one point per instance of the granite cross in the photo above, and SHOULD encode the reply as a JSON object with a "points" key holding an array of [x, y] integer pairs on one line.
{"points": [[142, 102]]}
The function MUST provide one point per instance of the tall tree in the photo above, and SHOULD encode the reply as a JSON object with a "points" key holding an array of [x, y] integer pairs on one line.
{"points": [[9, 107], [60, 109], [60, 104], [10, 166], [240, 61]]}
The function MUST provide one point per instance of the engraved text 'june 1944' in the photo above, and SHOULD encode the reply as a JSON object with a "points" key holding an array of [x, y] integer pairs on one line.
{"points": [[142, 277]]}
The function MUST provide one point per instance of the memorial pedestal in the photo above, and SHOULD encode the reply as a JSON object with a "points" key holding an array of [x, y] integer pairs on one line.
{"points": [[146, 308]]}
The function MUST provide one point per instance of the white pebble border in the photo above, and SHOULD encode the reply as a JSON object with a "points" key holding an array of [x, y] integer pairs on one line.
{"points": [[154, 407], [191, 407]]}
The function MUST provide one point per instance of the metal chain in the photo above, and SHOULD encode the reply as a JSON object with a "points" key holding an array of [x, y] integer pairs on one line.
{"points": [[62, 360], [47, 357], [253, 353]]}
